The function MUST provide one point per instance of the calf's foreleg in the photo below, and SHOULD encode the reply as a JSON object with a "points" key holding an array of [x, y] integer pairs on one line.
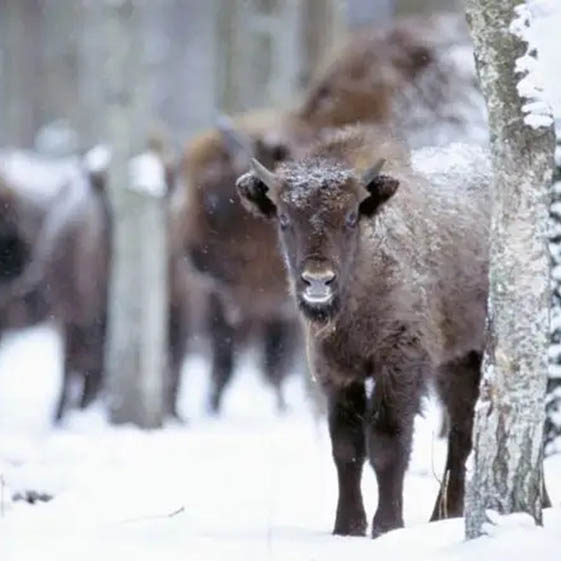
{"points": [[346, 408]]}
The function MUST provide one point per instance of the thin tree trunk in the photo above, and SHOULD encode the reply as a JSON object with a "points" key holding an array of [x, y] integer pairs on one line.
{"points": [[508, 452], [22, 95], [137, 302], [323, 23], [553, 398]]}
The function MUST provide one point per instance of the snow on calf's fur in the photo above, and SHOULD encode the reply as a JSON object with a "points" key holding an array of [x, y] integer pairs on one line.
{"points": [[388, 266]]}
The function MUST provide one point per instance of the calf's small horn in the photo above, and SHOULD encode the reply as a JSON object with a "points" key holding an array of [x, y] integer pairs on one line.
{"points": [[372, 172], [266, 176]]}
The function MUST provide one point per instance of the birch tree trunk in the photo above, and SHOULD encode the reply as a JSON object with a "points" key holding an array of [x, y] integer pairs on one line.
{"points": [[508, 452], [137, 303], [553, 397]]}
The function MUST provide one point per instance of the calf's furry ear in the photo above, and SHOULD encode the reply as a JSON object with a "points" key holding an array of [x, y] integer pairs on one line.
{"points": [[253, 194], [379, 189]]}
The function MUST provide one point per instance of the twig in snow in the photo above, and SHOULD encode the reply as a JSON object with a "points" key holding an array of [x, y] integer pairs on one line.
{"points": [[2, 495], [155, 517], [432, 460]]}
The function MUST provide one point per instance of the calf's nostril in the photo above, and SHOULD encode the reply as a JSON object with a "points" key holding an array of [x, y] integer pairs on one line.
{"points": [[322, 278]]}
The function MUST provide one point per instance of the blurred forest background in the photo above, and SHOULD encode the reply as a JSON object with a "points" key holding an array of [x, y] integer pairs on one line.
{"points": [[124, 125], [76, 74], [196, 60]]}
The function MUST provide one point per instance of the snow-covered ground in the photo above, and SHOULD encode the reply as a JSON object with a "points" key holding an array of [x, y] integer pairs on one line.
{"points": [[247, 486]]}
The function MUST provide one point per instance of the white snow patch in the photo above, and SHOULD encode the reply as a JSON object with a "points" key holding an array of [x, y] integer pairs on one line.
{"points": [[544, 33], [98, 158], [35, 176], [555, 208], [537, 110], [249, 485], [556, 272], [554, 350], [147, 174], [555, 323]]}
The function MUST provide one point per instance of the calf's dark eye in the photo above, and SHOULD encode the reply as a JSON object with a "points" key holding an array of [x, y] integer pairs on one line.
{"points": [[352, 219], [284, 221]]}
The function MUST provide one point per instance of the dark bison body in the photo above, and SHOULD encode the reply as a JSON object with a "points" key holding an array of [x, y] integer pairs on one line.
{"points": [[73, 258], [21, 218], [56, 254], [388, 267]]}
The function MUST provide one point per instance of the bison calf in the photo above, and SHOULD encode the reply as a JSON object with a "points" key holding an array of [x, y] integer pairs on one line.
{"points": [[388, 267]]}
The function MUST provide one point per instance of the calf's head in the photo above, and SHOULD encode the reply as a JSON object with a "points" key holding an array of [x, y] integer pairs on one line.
{"points": [[318, 205]]}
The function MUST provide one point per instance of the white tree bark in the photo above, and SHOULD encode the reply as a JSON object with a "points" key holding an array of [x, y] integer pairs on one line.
{"points": [[136, 353], [508, 453]]}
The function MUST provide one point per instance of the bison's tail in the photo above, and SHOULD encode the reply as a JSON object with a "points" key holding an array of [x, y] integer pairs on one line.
{"points": [[96, 165]]}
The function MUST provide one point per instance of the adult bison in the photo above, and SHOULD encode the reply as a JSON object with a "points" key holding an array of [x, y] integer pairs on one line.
{"points": [[233, 251], [388, 267], [60, 260], [416, 73], [74, 259]]}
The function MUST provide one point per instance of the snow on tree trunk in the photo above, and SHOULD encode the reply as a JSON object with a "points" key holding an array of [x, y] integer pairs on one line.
{"points": [[508, 452], [553, 399], [137, 304]]}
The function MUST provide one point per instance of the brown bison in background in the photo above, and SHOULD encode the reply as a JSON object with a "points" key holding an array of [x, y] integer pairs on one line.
{"points": [[59, 257], [416, 75], [233, 252], [74, 258]]}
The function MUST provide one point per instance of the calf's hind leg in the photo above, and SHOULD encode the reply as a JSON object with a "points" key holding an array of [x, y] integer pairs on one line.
{"points": [[458, 385], [346, 408]]}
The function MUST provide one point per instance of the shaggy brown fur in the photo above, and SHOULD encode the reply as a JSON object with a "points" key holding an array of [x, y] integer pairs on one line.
{"points": [[416, 73], [235, 252], [389, 271]]}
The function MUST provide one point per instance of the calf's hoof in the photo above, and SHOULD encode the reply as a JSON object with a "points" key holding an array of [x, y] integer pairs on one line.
{"points": [[176, 417], [350, 524], [380, 527]]}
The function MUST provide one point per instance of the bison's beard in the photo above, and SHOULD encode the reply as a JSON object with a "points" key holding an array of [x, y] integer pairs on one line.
{"points": [[319, 313]]}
